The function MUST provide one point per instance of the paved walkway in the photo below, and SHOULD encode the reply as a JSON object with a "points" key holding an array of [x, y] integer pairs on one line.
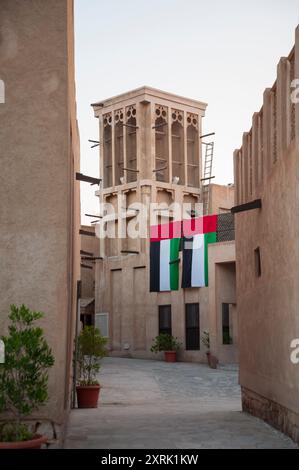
{"points": [[152, 404]]}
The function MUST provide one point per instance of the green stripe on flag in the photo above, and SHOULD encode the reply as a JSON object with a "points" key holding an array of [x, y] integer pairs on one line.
{"points": [[209, 238], [174, 267]]}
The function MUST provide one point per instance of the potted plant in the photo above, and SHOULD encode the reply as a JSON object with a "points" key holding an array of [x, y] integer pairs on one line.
{"points": [[212, 360], [167, 343], [23, 378], [91, 349]]}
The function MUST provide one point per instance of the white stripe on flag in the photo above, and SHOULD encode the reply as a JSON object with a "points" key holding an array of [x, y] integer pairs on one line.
{"points": [[164, 265], [198, 261]]}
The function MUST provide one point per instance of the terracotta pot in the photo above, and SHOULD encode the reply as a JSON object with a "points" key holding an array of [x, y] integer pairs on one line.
{"points": [[209, 357], [170, 356], [212, 360], [87, 396], [34, 443]]}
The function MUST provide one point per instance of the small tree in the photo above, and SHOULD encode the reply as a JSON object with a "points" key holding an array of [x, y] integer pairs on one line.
{"points": [[24, 374], [91, 349], [165, 342]]}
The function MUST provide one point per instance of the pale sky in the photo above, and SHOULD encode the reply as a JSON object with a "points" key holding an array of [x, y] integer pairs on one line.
{"points": [[222, 52]]}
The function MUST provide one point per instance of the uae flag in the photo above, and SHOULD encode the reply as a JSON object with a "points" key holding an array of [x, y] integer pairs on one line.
{"points": [[165, 245], [195, 253], [164, 264]]}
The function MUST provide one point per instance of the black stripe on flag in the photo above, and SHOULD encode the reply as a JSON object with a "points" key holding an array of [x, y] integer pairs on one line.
{"points": [[187, 262], [154, 266]]}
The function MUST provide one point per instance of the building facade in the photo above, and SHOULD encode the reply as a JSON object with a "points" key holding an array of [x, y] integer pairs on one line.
{"points": [[150, 153], [267, 171], [40, 203]]}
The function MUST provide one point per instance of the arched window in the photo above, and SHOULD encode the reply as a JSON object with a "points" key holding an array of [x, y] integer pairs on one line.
{"points": [[131, 143], [107, 150], [161, 145], [192, 151], [177, 142], [119, 145]]}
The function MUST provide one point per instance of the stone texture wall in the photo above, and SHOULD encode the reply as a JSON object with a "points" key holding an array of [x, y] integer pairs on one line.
{"points": [[272, 412]]}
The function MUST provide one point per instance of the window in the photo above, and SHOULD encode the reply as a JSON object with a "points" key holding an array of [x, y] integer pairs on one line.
{"points": [[161, 144], [131, 143], [257, 259], [226, 325], [192, 327], [102, 322], [177, 145], [192, 151], [165, 319], [107, 147], [119, 146]]}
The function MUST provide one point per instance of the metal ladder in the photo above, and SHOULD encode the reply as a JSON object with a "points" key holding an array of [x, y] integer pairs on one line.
{"points": [[207, 173]]}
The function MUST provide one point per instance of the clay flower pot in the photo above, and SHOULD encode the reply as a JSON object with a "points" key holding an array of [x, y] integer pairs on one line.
{"points": [[212, 360], [88, 395], [209, 357], [170, 356], [34, 443]]}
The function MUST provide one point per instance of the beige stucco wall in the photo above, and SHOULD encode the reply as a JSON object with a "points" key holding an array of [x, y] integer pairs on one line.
{"points": [[39, 197]]}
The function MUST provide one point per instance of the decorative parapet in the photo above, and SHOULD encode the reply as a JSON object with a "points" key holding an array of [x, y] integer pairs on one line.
{"points": [[107, 119], [161, 112], [274, 128], [192, 120], [131, 112], [119, 116], [177, 116]]}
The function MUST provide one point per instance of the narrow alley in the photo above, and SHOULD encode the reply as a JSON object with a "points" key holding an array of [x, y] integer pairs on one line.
{"points": [[153, 404]]}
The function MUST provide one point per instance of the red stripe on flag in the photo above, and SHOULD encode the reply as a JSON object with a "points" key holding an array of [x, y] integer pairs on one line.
{"points": [[166, 231], [187, 228], [210, 223]]}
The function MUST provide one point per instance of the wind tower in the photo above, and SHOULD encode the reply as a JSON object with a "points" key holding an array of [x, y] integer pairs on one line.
{"points": [[150, 152]]}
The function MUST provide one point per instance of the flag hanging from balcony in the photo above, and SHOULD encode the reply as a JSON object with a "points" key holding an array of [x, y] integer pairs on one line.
{"points": [[164, 265], [195, 252], [195, 259], [196, 234]]}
